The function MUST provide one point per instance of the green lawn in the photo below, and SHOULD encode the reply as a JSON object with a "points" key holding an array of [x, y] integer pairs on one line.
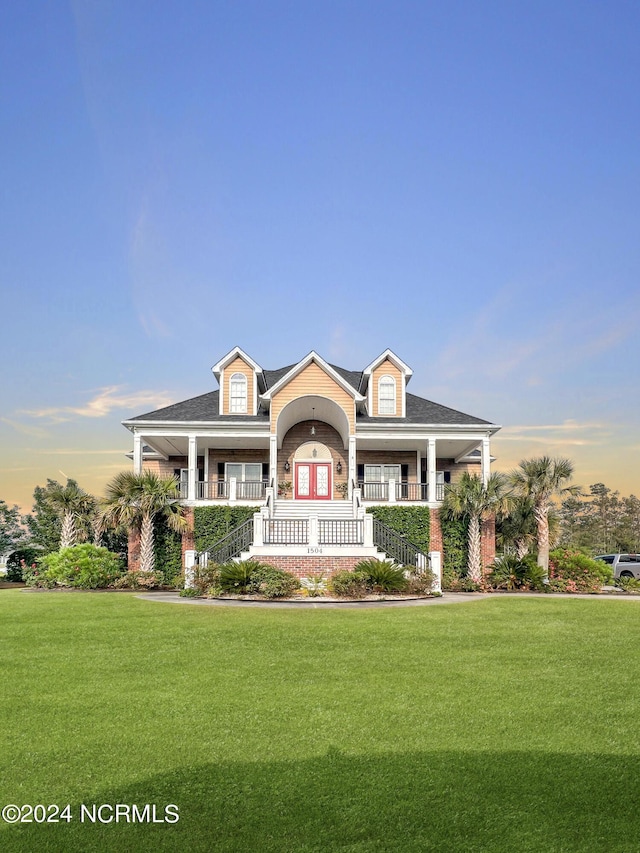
{"points": [[503, 724]]}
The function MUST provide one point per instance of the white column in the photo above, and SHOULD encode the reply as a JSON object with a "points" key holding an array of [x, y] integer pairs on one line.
{"points": [[431, 468], [368, 530], [233, 489], [192, 468], [207, 488], [353, 468], [313, 530], [137, 453], [273, 461], [391, 495], [258, 529], [436, 558], [485, 458], [189, 568]]}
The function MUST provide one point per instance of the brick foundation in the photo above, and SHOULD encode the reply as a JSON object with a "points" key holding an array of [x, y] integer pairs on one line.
{"points": [[304, 567]]}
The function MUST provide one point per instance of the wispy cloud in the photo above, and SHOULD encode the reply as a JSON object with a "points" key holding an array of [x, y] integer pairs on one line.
{"points": [[26, 429], [498, 347], [70, 451], [568, 433], [105, 401]]}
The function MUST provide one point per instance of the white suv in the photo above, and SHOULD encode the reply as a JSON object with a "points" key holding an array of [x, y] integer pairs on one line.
{"points": [[623, 565]]}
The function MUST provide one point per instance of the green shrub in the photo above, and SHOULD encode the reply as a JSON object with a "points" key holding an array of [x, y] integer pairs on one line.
{"points": [[189, 592], [139, 580], [206, 579], [349, 584], [21, 561], [81, 566], [510, 572], [573, 571], [382, 576], [455, 548], [420, 583], [628, 584], [234, 577], [272, 582]]}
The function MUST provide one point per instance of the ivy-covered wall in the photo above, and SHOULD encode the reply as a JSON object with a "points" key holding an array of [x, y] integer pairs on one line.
{"points": [[413, 522], [168, 550], [211, 523], [454, 545]]}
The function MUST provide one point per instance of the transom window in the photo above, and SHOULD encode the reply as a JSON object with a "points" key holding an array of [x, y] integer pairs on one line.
{"points": [[387, 395], [381, 473], [238, 393]]}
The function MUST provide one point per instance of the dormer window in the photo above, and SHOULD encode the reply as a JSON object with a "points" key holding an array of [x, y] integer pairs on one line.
{"points": [[387, 395], [238, 394]]}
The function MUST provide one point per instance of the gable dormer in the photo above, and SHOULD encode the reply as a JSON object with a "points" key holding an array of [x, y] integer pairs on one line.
{"points": [[237, 374], [385, 381]]}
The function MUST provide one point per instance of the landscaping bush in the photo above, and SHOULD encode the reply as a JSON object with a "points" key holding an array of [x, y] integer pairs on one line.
{"points": [[81, 566], [573, 571], [510, 572], [628, 585], [24, 559], [349, 584], [206, 579], [140, 580], [234, 577], [382, 576], [420, 583], [272, 582]]}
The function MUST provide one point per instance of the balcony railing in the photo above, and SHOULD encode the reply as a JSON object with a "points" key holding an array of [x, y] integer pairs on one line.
{"points": [[247, 490], [341, 531], [404, 491], [286, 531]]}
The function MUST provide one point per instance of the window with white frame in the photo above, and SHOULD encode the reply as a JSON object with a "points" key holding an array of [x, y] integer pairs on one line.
{"points": [[381, 473], [244, 472], [238, 393], [387, 395]]}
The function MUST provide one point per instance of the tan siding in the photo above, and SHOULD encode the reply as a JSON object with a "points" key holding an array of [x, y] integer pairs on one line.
{"points": [[387, 367], [238, 365], [313, 380]]}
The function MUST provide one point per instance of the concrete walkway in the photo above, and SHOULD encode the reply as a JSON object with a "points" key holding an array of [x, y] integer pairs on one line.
{"points": [[319, 604]]}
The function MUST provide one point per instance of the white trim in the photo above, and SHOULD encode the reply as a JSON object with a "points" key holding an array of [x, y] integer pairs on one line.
{"points": [[388, 354], [234, 353], [300, 366]]}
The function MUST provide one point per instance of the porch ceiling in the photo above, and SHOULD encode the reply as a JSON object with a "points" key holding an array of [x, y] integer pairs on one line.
{"points": [[446, 448], [179, 445]]}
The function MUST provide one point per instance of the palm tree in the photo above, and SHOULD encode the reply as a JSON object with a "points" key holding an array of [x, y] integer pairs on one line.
{"points": [[539, 480], [518, 528], [133, 501], [470, 498], [71, 504]]}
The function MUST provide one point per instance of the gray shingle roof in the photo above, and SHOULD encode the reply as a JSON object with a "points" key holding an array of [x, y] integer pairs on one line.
{"points": [[205, 407], [421, 411]]}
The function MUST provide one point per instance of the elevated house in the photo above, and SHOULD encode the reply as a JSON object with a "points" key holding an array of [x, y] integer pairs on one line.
{"points": [[312, 446]]}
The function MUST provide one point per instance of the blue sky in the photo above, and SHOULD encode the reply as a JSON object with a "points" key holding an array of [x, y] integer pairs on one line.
{"points": [[458, 181]]}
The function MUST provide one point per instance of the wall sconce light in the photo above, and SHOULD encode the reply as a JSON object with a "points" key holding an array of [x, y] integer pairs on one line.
{"points": [[339, 467], [287, 467], [313, 418]]}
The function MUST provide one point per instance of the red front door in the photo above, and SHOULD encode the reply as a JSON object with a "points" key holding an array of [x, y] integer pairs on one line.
{"points": [[313, 481]]}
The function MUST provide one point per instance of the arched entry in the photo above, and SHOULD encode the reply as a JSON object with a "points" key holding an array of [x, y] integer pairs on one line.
{"points": [[312, 472]]}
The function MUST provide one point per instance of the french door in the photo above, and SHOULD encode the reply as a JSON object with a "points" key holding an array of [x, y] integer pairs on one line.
{"points": [[313, 481]]}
